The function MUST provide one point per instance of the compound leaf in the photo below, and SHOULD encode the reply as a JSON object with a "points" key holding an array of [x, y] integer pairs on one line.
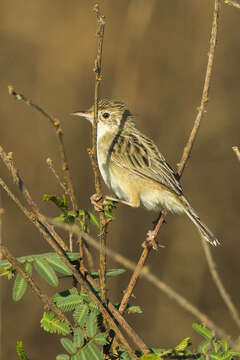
{"points": [[46, 271]]}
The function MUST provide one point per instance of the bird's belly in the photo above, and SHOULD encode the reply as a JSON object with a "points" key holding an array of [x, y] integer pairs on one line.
{"points": [[112, 178], [157, 199]]}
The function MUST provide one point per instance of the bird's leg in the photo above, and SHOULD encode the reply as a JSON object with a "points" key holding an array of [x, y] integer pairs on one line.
{"points": [[95, 198], [151, 240], [118, 200]]}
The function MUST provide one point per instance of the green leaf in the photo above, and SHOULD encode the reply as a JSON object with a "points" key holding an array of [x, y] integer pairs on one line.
{"points": [[46, 271], [59, 265], [123, 355], [68, 345], [149, 357], [68, 303], [101, 339], [204, 347], [20, 284], [94, 351], [216, 356], [109, 214], [216, 345], [183, 344], [20, 351], [94, 220], [85, 297], [224, 345], [109, 273], [202, 330], [78, 337], [134, 310], [93, 308], [60, 203], [91, 325], [53, 325], [82, 354], [80, 314], [62, 357]]}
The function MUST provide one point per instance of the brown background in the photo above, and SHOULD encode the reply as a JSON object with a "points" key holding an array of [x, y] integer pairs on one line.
{"points": [[155, 55]]}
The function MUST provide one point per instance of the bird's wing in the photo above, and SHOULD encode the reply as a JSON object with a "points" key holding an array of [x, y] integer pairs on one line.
{"points": [[139, 155]]}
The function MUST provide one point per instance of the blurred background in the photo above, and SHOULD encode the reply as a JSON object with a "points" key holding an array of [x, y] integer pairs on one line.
{"points": [[155, 55]]}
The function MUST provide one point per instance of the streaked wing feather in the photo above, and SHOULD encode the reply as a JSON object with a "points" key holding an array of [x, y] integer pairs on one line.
{"points": [[139, 155]]}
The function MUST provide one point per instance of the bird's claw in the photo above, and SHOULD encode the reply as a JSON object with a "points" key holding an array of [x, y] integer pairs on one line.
{"points": [[150, 241], [95, 198]]}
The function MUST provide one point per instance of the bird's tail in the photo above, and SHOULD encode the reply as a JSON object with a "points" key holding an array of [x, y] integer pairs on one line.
{"points": [[202, 228]]}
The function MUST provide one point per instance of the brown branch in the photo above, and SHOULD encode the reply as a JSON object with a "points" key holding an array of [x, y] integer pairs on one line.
{"points": [[216, 278], [232, 3], [145, 273], [237, 151], [93, 152], [47, 302], [188, 148]]}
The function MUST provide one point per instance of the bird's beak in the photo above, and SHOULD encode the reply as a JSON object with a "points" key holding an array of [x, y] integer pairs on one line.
{"points": [[86, 114]]}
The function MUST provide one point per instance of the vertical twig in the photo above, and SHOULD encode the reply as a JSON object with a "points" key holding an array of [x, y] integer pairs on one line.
{"points": [[188, 148], [93, 151]]}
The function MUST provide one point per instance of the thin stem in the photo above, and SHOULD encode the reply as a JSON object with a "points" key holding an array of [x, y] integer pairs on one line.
{"points": [[93, 151], [47, 302]]}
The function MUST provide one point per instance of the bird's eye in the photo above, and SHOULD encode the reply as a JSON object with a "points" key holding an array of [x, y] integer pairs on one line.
{"points": [[106, 115]]}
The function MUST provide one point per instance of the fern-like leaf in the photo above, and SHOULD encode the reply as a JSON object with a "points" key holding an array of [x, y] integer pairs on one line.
{"points": [[62, 357], [20, 351], [68, 345], [68, 303], [91, 325], [53, 325], [20, 284], [80, 314], [78, 337], [58, 265], [46, 271]]}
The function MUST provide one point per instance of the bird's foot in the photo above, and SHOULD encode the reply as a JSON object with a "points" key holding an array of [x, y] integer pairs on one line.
{"points": [[95, 198], [151, 240]]}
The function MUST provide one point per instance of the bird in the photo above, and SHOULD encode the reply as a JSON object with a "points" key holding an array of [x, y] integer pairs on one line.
{"points": [[132, 166]]}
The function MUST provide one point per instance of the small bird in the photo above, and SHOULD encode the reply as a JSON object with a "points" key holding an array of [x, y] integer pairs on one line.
{"points": [[133, 168]]}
